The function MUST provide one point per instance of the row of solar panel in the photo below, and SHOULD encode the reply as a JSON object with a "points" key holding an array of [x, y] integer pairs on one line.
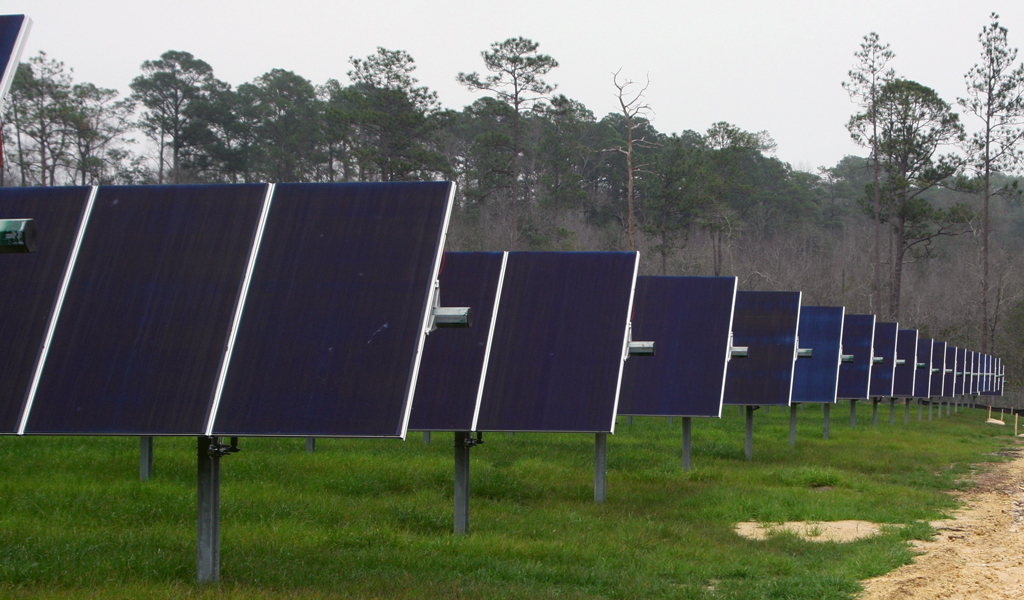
{"points": [[303, 310]]}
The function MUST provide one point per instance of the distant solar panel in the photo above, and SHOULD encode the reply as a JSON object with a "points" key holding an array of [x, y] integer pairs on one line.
{"points": [[330, 340], [816, 379], [923, 369], [559, 342], [949, 372], [958, 382], [30, 285], [906, 350], [974, 373], [142, 328], [858, 341], [13, 33], [690, 320], [450, 382], [767, 324], [885, 348], [938, 367]]}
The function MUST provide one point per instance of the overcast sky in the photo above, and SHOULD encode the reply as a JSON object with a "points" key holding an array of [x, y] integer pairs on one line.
{"points": [[774, 66]]}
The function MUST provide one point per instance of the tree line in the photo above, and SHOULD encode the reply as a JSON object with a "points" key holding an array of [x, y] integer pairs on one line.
{"points": [[925, 229]]}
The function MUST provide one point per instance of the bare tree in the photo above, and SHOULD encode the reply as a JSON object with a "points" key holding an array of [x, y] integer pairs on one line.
{"points": [[633, 108]]}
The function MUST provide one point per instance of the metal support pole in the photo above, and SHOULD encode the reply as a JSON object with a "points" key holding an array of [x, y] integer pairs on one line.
{"points": [[827, 409], [930, 409], [892, 411], [671, 420], [853, 413], [208, 530], [748, 447], [947, 407], [906, 411], [145, 458], [462, 446], [600, 466], [874, 412], [956, 406], [629, 420], [426, 437], [792, 424], [920, 409], [310, 444], [687, 444]]}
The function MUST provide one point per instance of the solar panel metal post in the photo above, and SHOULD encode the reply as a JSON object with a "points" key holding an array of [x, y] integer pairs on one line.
{"points": [[145, 458], [600, 466], [948, 408], [310, 444], [853, 413], [426, 437], [892, 411], [208, 538], [920, 409], [792, 424], [874, 412], [687, 443], [463, 443], [748, 447], [929, 410], [826, 408], [906, 411]]}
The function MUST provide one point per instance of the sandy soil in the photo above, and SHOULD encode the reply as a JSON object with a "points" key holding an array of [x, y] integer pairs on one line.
{"points": [[977, 555], [825, 531]]}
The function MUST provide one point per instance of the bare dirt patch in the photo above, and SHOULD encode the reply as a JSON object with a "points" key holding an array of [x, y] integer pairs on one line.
{"points": [[975, 555], [826, 531]]}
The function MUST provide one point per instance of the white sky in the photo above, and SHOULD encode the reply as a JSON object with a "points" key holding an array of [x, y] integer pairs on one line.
{"points": [[774, 66]]}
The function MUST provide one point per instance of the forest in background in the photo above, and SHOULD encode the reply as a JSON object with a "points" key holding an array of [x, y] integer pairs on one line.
{"points": [[899, 232]]}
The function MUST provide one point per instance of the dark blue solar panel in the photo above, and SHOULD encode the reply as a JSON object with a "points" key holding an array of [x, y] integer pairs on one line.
{"points": [[906, 350], [449, 382], [858, 335], [330, 339], [985, 368], [141, 333], [949, 376], [689, 320], [923, 370], [766, 323], [973, 364], [559, 340], [29, 285], [10, 30], [938, 368], [885, 348], [816, 379], [958, 382]]}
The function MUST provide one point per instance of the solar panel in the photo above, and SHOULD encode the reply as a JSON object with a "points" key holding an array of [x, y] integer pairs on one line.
{"points": [[767, 324], [906, 350], [13, 33], [141, 332], [986, 366], [30, 285], [816, 379], [449, 384], [974, 373], [958, 382], [858, 340], [885, 348], [923, 370], [330, 340], [690, 320], [938, 368], [559, 342], [949, 376]]}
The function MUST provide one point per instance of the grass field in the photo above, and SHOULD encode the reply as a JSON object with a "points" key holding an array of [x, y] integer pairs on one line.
{"points": [[373, 518]]}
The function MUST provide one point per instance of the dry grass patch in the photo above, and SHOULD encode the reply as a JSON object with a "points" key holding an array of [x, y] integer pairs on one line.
{"points": [[830, 531]]}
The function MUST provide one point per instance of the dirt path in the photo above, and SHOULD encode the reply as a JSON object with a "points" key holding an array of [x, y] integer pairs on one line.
{"points": [[978, 555]]}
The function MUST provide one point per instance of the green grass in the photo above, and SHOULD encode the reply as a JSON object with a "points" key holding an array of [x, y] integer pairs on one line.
{"points": [[372, 518]]}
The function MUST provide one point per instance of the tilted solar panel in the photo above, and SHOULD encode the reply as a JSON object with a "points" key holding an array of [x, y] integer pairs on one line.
{"points": [[141, 332], [30, 284], [13, 32], [885, 348], [906, 350], [949, 374], [816, 379], [974, 372], [923, 371], [858, 339], [938, 368], [449, 384], [767, 324], [958, 382], [559, 342], [332, 331], [689, 319]]}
